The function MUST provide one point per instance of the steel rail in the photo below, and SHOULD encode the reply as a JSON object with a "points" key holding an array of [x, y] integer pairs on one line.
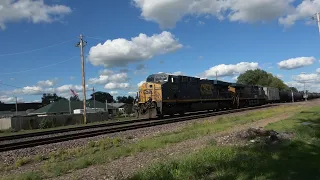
{"points": [[116, 128]]}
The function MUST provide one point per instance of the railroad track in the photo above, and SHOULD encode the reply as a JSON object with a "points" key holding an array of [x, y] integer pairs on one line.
{"points": [[110, 128]]}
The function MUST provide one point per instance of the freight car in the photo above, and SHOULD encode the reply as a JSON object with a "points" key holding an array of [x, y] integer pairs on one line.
{"points": [[164, 94]]}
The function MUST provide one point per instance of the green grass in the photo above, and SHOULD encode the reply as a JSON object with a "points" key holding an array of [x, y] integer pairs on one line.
{"points": [[103, 151], [296, 159]]}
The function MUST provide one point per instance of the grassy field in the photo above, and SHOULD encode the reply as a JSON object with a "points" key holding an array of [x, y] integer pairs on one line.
{"points": [[295, 159], [62, 162]]}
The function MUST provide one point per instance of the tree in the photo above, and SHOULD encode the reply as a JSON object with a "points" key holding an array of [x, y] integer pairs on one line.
{"points": [[262, 78], [47, 98], [293, 89], [74, 98], [125, 99], [102, 97], [1, 102]]}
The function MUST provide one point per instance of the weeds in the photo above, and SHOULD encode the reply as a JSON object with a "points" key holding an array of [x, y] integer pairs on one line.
{"points": [[296, 159], [108, 149]]}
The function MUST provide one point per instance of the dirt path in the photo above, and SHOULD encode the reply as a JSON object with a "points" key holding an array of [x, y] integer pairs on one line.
{"points": [[126, 166]]}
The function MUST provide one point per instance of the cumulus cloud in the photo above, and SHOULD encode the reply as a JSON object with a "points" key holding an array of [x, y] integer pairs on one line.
{"points": [[29, 90], [177, 73], [35, 11], [235, 78], [10, 99], [140, 83], [279, 76], [113, 85], [230, 69], [306, 9], [120, 52], [113, 93], [115, 78], [295, 63], [308, 78], [318, 70], [131, 93], [312, 87], [168, 13], [47, 83]]}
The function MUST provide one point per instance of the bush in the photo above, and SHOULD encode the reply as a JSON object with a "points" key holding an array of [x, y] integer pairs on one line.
{"points": [[46, 123]]}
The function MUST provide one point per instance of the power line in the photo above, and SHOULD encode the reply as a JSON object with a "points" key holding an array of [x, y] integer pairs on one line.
{"points": [[97, 38], [11, 85], [10, 54], [17, 72]]}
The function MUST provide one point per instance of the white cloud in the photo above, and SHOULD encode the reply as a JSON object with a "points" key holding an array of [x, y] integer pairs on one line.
{"points": [[120, 52], [72, 77], [318, 70], [47, 83], [201, 22], [11, 79], [66, 88], [140, 83], [10, 99], [230, 69], [34, 11], [235, 78], [177, 73], [312, 87], [131, 93], [168, 12], [29, 90], [279, 76], [113, 85], [303, 11], [295, 63], [113, 93], [115, 78], [308, 78]]}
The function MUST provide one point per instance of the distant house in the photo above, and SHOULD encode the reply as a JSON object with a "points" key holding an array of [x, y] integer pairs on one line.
{"points": [[63, 107], [122, 108], [9, 110]]}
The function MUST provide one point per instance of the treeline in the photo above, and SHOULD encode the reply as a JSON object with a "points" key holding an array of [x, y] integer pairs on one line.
{"points": [[47, 98], [263, 78]]}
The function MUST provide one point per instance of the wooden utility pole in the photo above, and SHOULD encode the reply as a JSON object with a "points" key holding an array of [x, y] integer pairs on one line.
{"points": [[82, 44], [16, 106]]}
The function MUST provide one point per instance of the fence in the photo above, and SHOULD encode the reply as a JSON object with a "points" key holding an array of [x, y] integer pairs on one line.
{"points": [[35, 122]]}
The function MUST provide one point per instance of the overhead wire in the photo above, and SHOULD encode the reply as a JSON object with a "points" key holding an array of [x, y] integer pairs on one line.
{"points": [[24, 52], [17, 72]]}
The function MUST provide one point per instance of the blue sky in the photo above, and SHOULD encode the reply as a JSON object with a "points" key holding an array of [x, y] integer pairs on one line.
{"points": [[189, 37]]}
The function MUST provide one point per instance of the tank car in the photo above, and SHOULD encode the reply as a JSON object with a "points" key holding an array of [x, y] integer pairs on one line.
{"points": [[166, 94]]}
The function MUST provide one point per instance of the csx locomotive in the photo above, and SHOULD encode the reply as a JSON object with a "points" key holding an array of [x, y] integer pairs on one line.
{"points": [[166, 94]]}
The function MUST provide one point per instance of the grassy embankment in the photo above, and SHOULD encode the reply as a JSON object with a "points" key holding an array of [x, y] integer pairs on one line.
{"points": [[62, 162], [295, 159]]}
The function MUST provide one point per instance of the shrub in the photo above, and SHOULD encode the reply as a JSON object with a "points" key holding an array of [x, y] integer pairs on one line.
{"points": [[46, 123]]}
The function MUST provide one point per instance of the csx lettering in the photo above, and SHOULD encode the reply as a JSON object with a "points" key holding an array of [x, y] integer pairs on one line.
{"points": [[206, 88]]}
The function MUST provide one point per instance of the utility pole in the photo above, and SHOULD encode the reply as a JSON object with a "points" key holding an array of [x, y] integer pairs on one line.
{"points": [[70, 105], [82, 44], [318, 21], [16, 105], [216, 75], [317, 18], [94, 100]]}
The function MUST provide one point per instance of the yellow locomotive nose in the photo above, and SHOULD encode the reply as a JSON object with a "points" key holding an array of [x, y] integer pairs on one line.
{"points": [[150, 92]]}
